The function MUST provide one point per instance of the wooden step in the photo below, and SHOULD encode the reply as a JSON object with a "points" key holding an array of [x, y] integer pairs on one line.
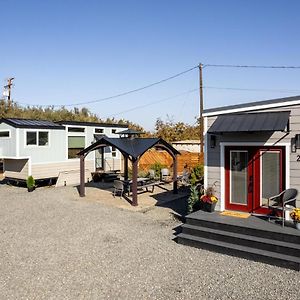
{"points": [[261, 229], [273, 258], [273, 245]]}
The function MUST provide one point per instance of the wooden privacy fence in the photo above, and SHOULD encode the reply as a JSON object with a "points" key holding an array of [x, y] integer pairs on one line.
{"points": [[153, 156]]}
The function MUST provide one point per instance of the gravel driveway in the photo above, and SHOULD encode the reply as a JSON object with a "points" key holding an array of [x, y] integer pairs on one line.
{"points": [[54, 245]]}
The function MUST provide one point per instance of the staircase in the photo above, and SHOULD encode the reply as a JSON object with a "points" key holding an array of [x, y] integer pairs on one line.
{"points": [[251, 238]]}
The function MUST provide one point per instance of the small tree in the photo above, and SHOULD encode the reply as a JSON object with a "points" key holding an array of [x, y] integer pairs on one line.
{"points": [[194, 197], [30, 182]]}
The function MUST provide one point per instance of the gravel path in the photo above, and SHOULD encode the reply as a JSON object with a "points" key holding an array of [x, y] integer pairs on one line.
{"points": [[54, 245]]}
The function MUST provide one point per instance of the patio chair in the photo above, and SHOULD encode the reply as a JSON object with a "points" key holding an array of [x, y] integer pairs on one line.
{"points": [[165, 174], [152, 174], [118, 187], [185, 178], [278, 203]]}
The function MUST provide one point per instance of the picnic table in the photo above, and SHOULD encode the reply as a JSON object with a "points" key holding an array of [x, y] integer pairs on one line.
{"points": [[143, 183]]}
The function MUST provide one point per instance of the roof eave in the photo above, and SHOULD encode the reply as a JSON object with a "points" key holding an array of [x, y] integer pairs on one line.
{"points": [[252, 106]]}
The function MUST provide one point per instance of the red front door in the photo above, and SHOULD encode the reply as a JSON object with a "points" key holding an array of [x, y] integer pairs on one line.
{"points": [[252, 174]]}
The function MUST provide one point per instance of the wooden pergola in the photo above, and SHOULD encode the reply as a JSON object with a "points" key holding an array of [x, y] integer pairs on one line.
{"points": [[132, 148]]}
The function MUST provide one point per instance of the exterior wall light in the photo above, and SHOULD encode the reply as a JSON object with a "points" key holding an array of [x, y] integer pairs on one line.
{"points": [[297, 141], [293, 145]]}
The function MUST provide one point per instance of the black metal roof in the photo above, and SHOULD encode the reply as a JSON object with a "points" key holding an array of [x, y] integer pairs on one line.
{"points": [[251, 122], [95, 124], [129, 132], [28, 123], [252, 104], [130, 147]]}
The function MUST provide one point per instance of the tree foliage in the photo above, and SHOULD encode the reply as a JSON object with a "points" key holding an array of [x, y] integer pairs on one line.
{"points": [[14, 110], [176, 131]]}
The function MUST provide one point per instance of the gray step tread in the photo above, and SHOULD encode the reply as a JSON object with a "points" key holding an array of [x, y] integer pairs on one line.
{"points": [[245, 249], [243, 236]]}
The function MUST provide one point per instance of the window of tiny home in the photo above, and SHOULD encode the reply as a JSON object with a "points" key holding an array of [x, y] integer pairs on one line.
{"points": [[37, 138], [113, 152], [4, 134], [99, 130], [76, 129], [75, 145]]}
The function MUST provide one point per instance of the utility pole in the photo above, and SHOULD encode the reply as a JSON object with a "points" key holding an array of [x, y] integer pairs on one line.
{"points": [[201, 108], [7, 90]]}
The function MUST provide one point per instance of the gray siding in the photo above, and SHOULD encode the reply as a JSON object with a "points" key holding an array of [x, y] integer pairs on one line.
{"points": [[54, 152], [213, 154], [8, 145]]}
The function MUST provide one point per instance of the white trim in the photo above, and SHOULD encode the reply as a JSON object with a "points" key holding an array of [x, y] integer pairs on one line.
{"points": [[29, 166], [205, 125], [222, 175], [5, 137], [222, 163], [287, 165], [251, 108], [37, 131], [17, 142]]}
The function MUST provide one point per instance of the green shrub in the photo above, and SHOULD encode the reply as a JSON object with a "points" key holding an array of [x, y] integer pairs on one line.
{"points": [[194, 197], [30, 182], [197, 174]]}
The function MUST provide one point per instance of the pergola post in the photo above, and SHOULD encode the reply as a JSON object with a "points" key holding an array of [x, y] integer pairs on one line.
{"points": [[134, 181], [125, 168], [175, 189], [82, 179]]}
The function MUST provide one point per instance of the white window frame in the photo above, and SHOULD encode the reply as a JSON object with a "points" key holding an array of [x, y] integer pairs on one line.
{"points": [[5, 137], [84, 134], [37, 131]]}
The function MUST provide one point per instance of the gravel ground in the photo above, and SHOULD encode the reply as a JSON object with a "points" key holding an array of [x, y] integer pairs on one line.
{"points": [[54, 245]]}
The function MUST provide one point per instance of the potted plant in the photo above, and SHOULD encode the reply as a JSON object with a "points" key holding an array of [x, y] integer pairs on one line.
{"points": [[295, 215], [30, 184], [209, 200]]}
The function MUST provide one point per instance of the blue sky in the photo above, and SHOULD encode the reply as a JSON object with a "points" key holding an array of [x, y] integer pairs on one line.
{"points": [[64, 52]]}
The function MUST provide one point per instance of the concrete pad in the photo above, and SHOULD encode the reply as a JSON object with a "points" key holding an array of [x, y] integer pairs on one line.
{"points": [[103, 192]]}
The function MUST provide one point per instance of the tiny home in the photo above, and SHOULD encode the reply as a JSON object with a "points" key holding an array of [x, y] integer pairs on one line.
{"points": [[187, 145], [252, 152], [45, 149]]}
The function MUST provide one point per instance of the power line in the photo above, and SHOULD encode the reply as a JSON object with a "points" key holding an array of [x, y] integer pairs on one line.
{"points": [[252, 66], [152, 103], [197, 89], [167, 79], [251, 89], [121, 94]]}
